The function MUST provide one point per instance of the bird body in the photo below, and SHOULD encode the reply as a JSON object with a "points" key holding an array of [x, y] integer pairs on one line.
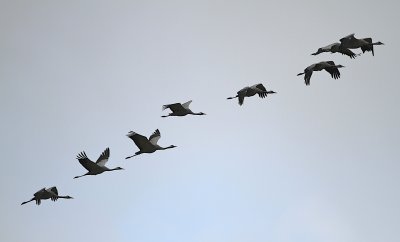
{"points": [[365, 44], [179, 109], [328, 66], [336, 48], [147, 145], [43, 194], [95, 168], [251, 91]]}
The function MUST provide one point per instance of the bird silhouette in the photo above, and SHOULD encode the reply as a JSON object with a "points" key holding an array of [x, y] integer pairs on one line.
{"points": [[328, 66], [147, 145], [179, 109], [44, 194], [95, 168], [251, 91]]}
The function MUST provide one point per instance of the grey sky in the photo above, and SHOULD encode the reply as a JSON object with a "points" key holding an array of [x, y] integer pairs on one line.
{"points": [[317, 163]]}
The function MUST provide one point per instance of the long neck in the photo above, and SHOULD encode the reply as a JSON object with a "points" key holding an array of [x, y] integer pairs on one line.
{"points": [[233, 97], [80, 176], [114, 169], [28, 201], [65, 197]]}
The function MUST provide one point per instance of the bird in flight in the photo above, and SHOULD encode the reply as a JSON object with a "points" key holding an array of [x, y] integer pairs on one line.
{"points": [[44, 194], [336, 48], [147, 145], [251, 91], [179, 109], [328, 66], [366, 44], [95, 168]]}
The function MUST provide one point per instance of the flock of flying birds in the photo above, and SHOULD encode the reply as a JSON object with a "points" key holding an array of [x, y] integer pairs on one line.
{"points": [[150, 145]]}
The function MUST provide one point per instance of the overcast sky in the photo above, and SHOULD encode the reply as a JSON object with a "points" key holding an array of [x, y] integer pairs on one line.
{"points": [[308, 164]]}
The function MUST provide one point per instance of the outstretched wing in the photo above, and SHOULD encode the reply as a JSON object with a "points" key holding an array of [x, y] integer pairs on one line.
{"points": [[345, 51], [52, 193], [155, 137], [86, 162], [186, 104], [262, 90], [330, 63], [368, 47], [241, 94], [103, 158], [140, 141], [334, 71], [53, 190], [39, 192], [307, 77], [347, 38], [175, 107]]}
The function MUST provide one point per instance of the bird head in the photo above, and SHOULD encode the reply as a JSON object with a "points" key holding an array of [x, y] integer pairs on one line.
{"points": [[69, 197], [119, 168], [318, 52], [339, 66], [201, 113], [379, 43], [172, 146]]}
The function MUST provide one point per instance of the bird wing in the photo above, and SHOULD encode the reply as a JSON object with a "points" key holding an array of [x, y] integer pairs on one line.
{"points": [[331, 63], [86, 162], [241, 94], [348, 38], [368, 47], [175, 107], [186, 104], [334, 71], [155, 137], [259, 86], [348, 52], [52, 190], [103, 158], [52, 193], [140, 141], [241, 99], [262, 90], [307, 77], [39, 192]]}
